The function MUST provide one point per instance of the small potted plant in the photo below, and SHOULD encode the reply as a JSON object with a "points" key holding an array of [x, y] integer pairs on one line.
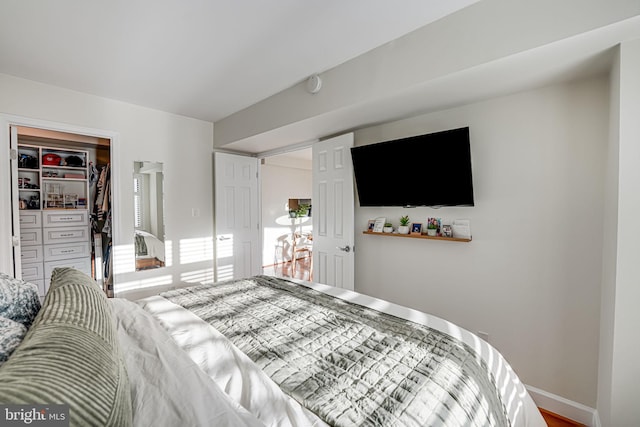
{"points": [[404, 225], [432, 227], [388, 227]]}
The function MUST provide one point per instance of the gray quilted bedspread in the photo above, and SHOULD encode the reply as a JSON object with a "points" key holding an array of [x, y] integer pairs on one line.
{"points": [[350, 365]]}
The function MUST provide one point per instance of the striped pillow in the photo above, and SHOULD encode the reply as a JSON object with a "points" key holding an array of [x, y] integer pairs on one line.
{"points": [[71, 355]]}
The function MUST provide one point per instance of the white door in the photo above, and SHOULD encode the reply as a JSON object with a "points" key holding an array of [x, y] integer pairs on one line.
{"points": [[15, 215], [236, 216], [333, 233]]}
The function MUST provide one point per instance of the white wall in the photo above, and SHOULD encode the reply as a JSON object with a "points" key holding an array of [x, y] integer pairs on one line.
{"points": [[281, 180], [182, 144], [531, 276], [624, 372], [609, 249]]}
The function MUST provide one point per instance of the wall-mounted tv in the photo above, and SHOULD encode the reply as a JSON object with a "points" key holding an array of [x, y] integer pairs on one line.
{"points": [[425, 170]]}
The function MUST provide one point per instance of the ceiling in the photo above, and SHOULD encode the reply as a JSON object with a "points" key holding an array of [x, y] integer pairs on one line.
{"points": [[579, 56], [205, 60]]}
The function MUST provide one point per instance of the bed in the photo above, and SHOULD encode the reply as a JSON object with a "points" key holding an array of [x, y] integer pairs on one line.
{"points": [[258, 351], [149, 251]]}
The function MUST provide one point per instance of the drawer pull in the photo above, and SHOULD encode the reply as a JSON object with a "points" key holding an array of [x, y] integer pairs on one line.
{"points": [[68, 251]]}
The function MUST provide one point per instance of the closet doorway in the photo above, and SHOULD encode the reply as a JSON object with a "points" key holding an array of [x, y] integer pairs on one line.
{"points": [[61, 204]]}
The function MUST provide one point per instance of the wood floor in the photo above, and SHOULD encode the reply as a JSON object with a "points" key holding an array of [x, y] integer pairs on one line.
{"points": [[303, 265], [302, 272], [555, 420]]}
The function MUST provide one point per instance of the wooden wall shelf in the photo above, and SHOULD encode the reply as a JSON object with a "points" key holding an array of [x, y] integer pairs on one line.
{"points": [[419, 236]]}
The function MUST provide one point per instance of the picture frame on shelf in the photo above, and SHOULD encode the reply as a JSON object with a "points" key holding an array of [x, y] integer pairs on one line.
{"points": [[461, 228], [447, 231], [378, 225], [370, 225], [433, 227], [416, 228]]}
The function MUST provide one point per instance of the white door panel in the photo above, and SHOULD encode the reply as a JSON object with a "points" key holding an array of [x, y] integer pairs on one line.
{"points": [[15, 214], [236, 216], [333, 211]]}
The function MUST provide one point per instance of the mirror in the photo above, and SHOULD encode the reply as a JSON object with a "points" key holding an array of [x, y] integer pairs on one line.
{"points": [[148, 202]]}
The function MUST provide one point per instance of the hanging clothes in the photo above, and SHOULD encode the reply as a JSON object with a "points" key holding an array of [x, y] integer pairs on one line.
{"points": [[101, 221], [107, 225], [103, 198], [94, 176], [100, 186]]}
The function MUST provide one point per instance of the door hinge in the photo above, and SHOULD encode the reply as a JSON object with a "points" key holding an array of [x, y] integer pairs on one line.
{"points": [[13, 154], [15, 241]]}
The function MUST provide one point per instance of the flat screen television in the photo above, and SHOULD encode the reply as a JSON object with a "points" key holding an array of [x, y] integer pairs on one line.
{"points": [[425, 170]]}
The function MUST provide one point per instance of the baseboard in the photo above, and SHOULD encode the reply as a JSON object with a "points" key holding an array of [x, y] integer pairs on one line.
{"points": [[565, 407]]}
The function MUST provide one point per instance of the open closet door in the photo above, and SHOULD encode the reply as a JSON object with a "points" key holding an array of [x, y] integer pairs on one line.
{"points": [[236, 216], [333, 223], [15, 217]]}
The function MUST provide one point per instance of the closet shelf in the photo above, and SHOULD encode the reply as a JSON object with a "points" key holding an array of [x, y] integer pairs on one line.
{"points": [[76, 168], [57, 178]]}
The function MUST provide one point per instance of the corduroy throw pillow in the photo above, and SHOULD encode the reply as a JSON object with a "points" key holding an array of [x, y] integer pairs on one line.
{"points": [[71, 355]]}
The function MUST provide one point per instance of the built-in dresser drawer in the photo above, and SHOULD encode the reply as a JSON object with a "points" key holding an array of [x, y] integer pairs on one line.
{"points": [[66, 251], [30, 219], [32, 271], [82, 264], [30, 236], [66, 235], [31, 254], [64, 218]]}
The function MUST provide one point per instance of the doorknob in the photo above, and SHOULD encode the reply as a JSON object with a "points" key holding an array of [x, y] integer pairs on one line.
{"points": [[344, 248], [222, 238]]}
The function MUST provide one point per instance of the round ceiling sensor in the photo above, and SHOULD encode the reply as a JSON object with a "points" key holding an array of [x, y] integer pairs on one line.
{"points": [[314, 83]]}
